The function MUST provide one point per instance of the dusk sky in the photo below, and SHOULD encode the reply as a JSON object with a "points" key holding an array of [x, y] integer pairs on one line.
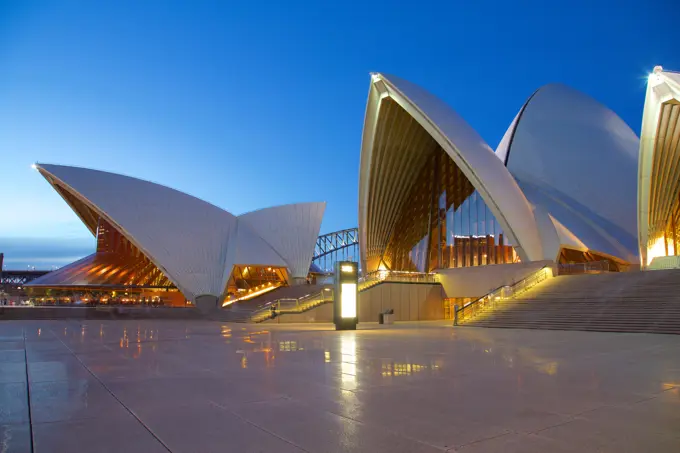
{"points": [[253, 104]]}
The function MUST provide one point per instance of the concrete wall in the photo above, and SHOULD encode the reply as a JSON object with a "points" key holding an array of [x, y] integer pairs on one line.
{"points": [[113, 312], [410, 301], [480, 280]]}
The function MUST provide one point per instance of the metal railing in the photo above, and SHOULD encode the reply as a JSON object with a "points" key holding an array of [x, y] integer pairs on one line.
{"points": [[373, 278], [490, 301], [288, 306], [664, 262], [590, 267]]}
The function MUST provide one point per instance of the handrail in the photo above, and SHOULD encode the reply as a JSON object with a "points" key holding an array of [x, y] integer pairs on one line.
{"points": [[503, 292], [312, 296], [290, 305], [373, 278], [583, 268]]}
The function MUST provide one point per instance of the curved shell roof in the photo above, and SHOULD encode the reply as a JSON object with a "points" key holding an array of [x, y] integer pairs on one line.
{"points": [[302, 221], [386, 176], [578, 160], [194, 243]]}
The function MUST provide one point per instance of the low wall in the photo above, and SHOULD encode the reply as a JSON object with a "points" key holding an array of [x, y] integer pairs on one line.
{"points": [[410, 301], [480, 280], [18, 313]]}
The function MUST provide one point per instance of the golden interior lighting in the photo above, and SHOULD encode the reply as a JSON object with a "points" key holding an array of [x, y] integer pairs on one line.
{"points": [[435, 218]]}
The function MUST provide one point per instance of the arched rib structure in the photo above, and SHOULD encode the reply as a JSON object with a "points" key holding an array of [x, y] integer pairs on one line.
{"points": [[659, 170], [411, 142]]}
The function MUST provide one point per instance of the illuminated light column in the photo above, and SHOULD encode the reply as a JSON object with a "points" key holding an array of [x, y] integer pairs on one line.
{"points": [[345, 306]]}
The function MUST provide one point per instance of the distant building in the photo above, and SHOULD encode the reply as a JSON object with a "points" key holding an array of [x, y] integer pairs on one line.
{"points": [[158, 245]]}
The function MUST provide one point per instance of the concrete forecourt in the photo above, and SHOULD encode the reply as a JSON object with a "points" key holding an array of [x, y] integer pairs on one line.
{"points": [[188, 385]]}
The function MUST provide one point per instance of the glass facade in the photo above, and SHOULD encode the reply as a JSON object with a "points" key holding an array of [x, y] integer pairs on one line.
{"points": [[445, 224], [116, 265], [665, 242], [119, 273], [570, 261], [252, 279], [664, 192]]}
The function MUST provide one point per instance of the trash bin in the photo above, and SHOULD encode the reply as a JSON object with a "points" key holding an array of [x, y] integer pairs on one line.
{"points": [[386, 317]]}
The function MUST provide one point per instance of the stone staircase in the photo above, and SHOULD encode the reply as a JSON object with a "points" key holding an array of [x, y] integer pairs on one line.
{"points": [[243, 310], [293, 306], [610, 302]]}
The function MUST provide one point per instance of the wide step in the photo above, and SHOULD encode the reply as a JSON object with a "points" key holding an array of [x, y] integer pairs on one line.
{"points": [[640, 302]]}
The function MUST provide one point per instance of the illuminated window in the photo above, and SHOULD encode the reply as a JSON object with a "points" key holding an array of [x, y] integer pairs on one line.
{"points": [[445, 223]]}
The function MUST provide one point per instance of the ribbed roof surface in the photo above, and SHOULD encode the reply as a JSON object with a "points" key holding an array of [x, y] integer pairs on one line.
{"points": [[577, 159]]}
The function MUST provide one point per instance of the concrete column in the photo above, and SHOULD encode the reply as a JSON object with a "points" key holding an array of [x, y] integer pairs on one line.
{"points": [[207, 304]]}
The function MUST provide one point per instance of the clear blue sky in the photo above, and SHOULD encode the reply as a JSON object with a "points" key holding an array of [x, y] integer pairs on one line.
{"points": [[252, 104]]}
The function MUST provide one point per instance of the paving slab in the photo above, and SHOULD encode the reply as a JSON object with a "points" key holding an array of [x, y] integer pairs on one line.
{"points": [[204, 386]]}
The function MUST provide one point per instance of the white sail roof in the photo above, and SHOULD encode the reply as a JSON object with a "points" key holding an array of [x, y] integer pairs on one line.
{"points": [[659, 174], [578, 160], [465, 147], [291, 230]]}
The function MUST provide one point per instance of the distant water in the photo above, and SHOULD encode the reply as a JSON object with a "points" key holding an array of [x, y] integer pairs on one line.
{"points": [[43, 253]]}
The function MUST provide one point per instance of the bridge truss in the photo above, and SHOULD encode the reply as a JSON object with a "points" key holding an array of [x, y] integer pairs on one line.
{"points": [[340, 245], [19, 278], [12, 282]]}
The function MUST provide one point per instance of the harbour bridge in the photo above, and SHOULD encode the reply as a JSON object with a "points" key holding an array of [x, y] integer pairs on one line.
{"points": [[340, 245], [12, 281]]}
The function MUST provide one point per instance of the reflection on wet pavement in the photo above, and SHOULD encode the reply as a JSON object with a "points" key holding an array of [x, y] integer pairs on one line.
{"points": [[188, 386]]}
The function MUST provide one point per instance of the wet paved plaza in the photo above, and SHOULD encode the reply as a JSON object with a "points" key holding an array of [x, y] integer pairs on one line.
{"points": [[193, 386]]}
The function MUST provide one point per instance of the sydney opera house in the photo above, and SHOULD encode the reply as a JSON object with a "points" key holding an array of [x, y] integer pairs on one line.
{"points": [[560, 187], [569, 184], [154, 243]]}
